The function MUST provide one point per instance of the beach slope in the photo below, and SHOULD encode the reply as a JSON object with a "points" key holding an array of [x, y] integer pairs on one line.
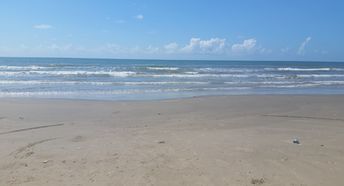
{"points": [[225, 140]]}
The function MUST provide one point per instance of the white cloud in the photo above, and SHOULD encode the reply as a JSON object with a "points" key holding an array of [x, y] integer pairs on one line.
{"points": [[139, 17], [42, 26], [246, 46], [303, 45], [151, 50], [194, 48], [171, 47], [197, 45]]}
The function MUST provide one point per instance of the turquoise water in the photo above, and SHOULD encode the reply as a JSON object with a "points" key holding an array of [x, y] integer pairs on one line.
{"points": [[106, 79]]}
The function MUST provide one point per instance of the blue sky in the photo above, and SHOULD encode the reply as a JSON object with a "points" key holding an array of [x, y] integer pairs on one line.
{"points": [[178, 29]]}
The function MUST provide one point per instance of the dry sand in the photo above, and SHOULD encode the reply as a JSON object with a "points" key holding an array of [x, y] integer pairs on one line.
{"points": [[228, 140]]}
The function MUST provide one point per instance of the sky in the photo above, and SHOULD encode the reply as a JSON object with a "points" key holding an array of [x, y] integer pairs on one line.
{"points": [[179, 29]]}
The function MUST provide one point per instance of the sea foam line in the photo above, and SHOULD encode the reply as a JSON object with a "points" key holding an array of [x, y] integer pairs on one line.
{"points": [[163, 68], [69, 73], [34, 82], [32, 67], [113, 92], [319, 75], [227, 70], [303, 69]]}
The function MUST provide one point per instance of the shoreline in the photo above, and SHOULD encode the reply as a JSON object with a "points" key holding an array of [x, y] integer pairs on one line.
{"points": [[165, 99], [212, 140]]}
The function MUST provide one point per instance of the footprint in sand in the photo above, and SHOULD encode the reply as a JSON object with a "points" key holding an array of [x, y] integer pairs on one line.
{"points": [[78, 139], [27, 151]]}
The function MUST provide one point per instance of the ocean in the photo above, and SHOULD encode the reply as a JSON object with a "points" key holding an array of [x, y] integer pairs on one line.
{"points": [[120, 79]]}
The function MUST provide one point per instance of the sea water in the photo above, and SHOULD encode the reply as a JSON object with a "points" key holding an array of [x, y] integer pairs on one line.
{"points": [[120, 79]]}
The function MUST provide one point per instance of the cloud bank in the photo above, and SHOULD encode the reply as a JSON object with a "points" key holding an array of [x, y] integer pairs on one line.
{"points": [[197, 45], [246, 46], [194, 48]]}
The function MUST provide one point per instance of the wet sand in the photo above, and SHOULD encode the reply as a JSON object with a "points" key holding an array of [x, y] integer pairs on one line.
{"points": [[224, 140]]}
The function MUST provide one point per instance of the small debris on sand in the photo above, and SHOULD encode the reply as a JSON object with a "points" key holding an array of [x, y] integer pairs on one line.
{"points": [[296, 141], [161, 142], [256, 181]]}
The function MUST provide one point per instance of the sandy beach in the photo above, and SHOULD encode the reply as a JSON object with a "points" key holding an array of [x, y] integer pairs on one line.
{"points": [[225, 140]]}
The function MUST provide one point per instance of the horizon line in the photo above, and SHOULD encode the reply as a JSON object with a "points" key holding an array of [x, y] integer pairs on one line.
{"points": [[152, 59]]}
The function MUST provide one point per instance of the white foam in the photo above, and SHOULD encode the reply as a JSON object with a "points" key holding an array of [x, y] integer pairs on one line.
{"points": [[226, 88], [329, 82], [260, 82], [163, 68], [319, 75], [69, 73], [32, 67], [226, 70], [291, 86], [35, 82], [163, 83], [10, 73], [287, 84], [198, 75], [34, 94], [303, 69], [310, 84], [111, 92], [86, 93], [21, 82]]}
